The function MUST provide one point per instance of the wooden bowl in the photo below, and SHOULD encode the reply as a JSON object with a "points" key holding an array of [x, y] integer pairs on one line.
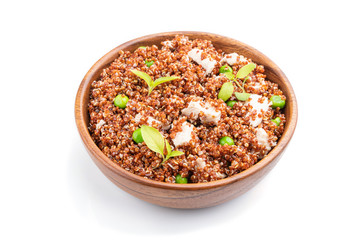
{"points": [[197, 195]]}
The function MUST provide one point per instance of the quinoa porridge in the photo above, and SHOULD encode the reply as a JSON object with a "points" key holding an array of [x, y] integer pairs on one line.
{"points": [[216, 121]]}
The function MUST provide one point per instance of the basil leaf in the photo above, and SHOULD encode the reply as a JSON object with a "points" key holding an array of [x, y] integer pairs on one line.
{"points": [[144, 76], [163, 80], [226, 91], [170, 153], [241, 96], [168, 147], [245, 70], [175, 154], [153, 139], [245, 80], [229, 75]]}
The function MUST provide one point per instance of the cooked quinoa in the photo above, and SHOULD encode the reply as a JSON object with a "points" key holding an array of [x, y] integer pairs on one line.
{"points": [[186, 111]]}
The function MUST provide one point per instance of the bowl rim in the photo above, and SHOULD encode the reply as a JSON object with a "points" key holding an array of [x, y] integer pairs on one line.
{"points": [[115, 168]]}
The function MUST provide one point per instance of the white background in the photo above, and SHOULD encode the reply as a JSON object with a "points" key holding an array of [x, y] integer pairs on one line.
{"points": [[50, 188]]}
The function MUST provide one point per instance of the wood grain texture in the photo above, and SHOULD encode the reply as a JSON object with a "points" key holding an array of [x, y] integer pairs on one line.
{"points": [[198, 195]]}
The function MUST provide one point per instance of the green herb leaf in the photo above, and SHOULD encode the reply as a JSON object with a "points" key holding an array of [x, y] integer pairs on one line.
{"points": [[168, 147], [226, 91], [144, 76], [175, 154], [160, 81], [245, 80], [153, 139], [239, 85], [163, 80], [152, 84], [242, 96], [149, 63], [245, 70], [229, 75], [170, 153]]}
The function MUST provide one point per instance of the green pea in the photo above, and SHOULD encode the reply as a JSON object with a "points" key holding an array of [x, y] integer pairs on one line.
{"points": [[181, 180], [137, 136], [277, 101], [277, 121], [231, 103], [149, 63], [121, 101], [225, 68], [142, 47], [226, 140]]}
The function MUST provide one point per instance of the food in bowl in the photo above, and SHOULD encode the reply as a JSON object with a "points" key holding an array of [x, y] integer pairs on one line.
{"points": [[185, 112]]}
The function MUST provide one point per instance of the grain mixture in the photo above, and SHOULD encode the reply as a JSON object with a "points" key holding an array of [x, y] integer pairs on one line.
{"points": [[186, 111]]}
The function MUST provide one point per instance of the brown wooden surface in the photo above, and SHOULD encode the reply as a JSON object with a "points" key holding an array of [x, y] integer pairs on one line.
{"points": [[198, 195]]}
